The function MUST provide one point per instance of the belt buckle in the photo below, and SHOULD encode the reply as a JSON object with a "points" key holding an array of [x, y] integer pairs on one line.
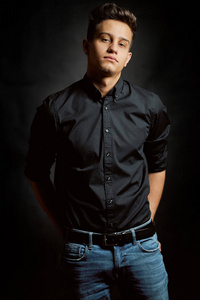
{"points": [[105, 241]]}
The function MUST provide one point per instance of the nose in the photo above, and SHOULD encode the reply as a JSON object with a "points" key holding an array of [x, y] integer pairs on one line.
{"points": [[112, 48]]}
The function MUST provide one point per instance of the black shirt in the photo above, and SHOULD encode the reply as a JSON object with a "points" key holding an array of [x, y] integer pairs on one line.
{"points": [[104, 149]]}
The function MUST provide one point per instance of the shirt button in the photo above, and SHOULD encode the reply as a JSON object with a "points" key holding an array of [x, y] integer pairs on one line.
{"points": [[106, 107], [107, 130], [108, 154], [110, 201], [108, 178]]}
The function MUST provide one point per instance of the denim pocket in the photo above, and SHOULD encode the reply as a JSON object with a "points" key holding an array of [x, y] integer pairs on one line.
{"points": [[75, 252], [149, 245]]}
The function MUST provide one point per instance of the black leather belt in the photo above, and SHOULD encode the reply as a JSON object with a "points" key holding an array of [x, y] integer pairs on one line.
{"points": [[110, 239]]}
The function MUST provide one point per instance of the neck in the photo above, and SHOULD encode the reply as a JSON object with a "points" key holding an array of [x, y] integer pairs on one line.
{"points": [[102, 83]]}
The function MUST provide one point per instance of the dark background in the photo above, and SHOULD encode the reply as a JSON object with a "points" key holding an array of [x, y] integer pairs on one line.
{"points": [[41, 53]]}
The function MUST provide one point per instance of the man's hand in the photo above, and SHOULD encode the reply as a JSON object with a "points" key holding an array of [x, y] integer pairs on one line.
{"points": [[46, 196], [156, 181]]}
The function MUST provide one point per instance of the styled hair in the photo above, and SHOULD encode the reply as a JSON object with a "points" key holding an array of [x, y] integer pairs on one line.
{"points": [[109, 11]]}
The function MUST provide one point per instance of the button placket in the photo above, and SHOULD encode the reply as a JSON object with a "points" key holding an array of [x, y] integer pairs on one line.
{"points": [[108, 164]]}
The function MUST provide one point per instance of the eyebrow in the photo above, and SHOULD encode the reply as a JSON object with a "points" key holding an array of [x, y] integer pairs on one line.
{"points": [[120, 38]]}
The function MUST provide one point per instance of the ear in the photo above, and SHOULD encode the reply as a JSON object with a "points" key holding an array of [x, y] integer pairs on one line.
{"points": [[128, 58], [86, 46]]}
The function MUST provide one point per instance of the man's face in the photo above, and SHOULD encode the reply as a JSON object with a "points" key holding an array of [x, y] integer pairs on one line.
{"points": [[108, 52]]}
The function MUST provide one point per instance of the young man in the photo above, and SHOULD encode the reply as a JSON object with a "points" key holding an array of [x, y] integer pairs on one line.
{"points": [[109, 140]]}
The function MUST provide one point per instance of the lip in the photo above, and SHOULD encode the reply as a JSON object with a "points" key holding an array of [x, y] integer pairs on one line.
{"points": [[110, 58]]}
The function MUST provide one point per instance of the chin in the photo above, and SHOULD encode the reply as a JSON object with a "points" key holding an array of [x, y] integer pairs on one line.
{"points": [[106, 71]]}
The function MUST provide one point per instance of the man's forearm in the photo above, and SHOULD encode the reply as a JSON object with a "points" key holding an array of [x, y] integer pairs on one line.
{"points": [[156, 181], [46, 196]]}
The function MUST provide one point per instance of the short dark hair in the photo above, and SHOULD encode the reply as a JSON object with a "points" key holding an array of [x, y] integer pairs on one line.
{"points": [[109, 11]]}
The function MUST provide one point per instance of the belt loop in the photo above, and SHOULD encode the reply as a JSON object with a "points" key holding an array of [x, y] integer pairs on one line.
{"points": [[90, 240], [134, 236]]}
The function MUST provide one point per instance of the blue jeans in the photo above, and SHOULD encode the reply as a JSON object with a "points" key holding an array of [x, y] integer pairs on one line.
{"points": [[137, 268]]}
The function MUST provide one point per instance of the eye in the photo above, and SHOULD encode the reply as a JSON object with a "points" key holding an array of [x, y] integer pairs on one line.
{"points": [[122, 45], [105, 40]]}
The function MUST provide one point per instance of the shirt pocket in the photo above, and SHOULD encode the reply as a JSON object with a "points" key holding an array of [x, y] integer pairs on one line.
{"points": [[75, 252]]}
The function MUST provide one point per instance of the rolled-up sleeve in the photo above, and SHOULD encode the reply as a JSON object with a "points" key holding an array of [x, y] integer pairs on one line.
{"points": [[155, 148], [42, 144]]}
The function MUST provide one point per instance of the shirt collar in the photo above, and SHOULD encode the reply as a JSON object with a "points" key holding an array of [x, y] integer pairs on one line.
{"points": [[95, 93]]}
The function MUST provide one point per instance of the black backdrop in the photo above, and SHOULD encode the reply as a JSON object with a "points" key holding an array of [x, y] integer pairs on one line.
{"points": [[41, 52]]}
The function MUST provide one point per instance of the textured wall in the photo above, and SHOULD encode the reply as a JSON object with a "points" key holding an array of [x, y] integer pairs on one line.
{"points": [[41, 52]]}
